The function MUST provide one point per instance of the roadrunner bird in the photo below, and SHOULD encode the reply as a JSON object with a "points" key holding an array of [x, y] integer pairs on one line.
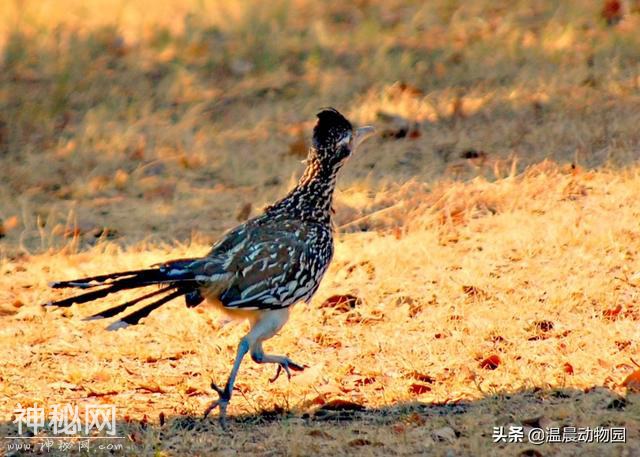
{"points": [[257, 270]]}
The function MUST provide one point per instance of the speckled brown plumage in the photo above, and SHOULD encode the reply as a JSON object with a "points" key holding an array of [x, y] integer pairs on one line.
{"points": [[260, 268]]}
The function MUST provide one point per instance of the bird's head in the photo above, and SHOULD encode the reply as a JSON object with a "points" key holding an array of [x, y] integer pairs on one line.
{"points": [[335, 139]]}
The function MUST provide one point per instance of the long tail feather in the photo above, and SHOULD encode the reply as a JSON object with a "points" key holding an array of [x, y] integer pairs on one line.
{"points": [[84, 298], [174, 269], [134, 317], [100, 280], [115, 282], [176, 278], [115, 310]]}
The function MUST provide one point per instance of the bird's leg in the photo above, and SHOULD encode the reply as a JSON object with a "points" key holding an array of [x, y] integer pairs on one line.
{"points": [[225, 394], [284, 363], [263, 327]]}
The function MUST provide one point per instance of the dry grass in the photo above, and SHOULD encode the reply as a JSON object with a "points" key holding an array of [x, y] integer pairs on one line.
{"points": [[125, 131]]}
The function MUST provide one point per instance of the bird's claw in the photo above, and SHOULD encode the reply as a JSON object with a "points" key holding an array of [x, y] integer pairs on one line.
{"points": [[218, 390], [221, 403], [287, 366]]}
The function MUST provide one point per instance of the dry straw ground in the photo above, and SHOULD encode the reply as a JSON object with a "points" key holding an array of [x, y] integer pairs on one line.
{"points": [[489, 233]]}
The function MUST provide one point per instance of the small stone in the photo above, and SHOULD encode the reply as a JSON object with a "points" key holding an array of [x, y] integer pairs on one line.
{"points": [[444, 434]]}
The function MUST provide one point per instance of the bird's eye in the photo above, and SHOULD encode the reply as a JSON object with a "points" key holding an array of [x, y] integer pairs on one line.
{"points": [[343, 147], [344, 141]]}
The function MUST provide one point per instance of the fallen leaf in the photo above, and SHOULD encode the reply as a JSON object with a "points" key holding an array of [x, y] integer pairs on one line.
{"points": [[568, 368], [421, 377], [95, 393], [622, 345], [612, 314], [319, 434], [612, 12], [342, 303], [192, 391], [325, 340], [419, 388], [359, 442], [360, 381], [632, 382], [544, 325], [490, 363], [6, 310], [473, 291], [631, 313]]}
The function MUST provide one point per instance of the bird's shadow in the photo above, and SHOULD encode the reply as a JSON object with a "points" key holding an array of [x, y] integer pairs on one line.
{"points": [[496, 424]]}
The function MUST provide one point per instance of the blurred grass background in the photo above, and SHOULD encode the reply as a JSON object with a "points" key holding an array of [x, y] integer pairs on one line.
{"points": [[197, 113]]}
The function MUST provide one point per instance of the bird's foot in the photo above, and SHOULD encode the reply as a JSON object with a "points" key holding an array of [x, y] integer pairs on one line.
{"points": [[287, 365], [221, 402]]}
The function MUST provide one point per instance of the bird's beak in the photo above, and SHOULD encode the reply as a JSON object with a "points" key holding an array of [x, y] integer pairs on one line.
{"points": [[362, 133]]}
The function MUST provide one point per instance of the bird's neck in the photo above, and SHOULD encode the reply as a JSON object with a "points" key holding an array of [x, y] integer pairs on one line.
{"points": [[312, 197]]}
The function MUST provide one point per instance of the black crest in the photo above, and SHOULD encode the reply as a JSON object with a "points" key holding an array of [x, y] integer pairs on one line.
{"points": [[330, 128]]}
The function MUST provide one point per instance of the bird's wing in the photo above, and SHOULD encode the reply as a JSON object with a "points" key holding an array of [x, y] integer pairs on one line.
{"points": [[271, 265]]}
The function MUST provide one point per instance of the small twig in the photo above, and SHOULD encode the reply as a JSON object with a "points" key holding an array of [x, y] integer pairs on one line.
{"points": [[626, 281]]}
